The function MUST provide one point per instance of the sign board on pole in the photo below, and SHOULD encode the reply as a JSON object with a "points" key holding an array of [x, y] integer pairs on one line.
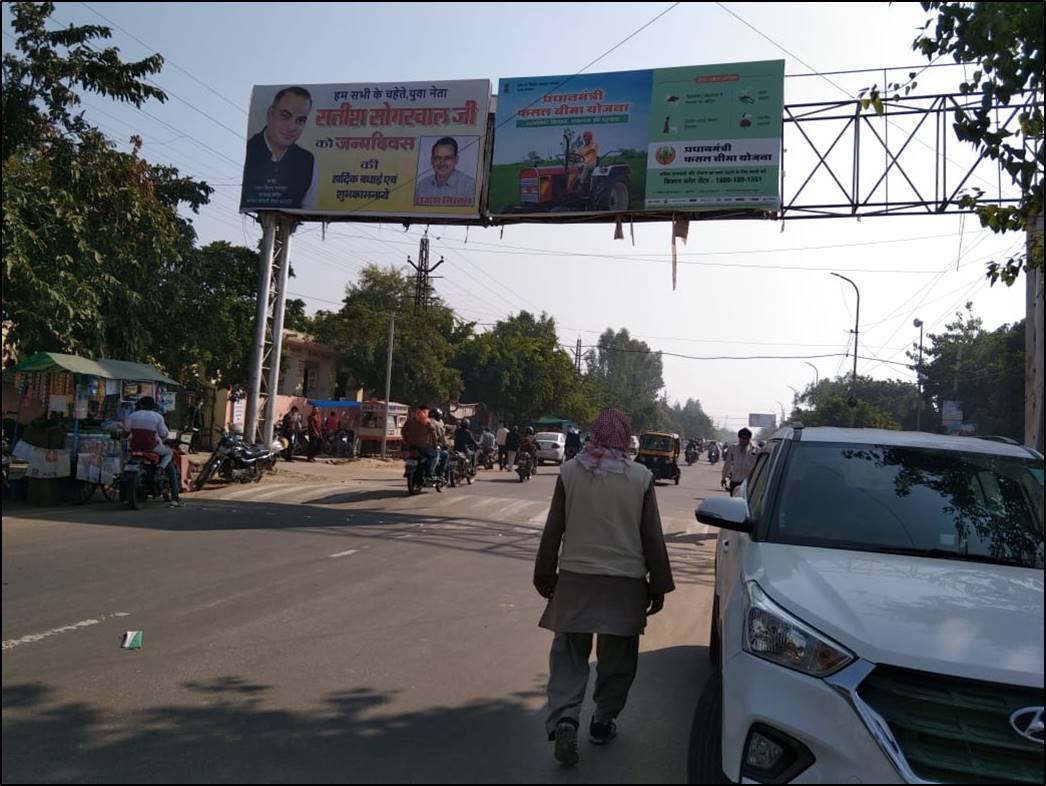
{"points": [[659, 140], [398, 149], [756, 420], [951, 413]]}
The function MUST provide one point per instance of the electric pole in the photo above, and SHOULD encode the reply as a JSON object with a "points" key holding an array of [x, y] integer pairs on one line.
{"points": [[423, 279]]}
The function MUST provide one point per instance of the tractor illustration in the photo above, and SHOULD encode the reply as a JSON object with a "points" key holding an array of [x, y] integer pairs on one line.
{"points": [[561, 188]]}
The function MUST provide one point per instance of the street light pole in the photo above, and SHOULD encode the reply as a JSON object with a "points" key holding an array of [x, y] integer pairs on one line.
{"points": [[919, 376], [857, 325], [817, 375]]}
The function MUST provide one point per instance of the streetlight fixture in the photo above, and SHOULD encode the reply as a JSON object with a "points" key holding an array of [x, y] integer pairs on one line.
{"points": [[857, 325], [817, 375], [919, 377]]}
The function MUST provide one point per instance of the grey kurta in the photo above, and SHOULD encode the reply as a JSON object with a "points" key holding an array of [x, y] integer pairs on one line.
{"points": [[588, 603]]}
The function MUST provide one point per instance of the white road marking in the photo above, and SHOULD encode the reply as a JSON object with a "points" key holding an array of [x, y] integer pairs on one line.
{"points": [[344, 553], [34, 637]]}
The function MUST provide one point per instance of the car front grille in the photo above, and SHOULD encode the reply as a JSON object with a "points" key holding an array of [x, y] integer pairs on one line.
{"points": [[953, 730]]}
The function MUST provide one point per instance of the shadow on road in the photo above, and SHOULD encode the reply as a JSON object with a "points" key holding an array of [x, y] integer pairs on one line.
{"points": [[229, 731]]}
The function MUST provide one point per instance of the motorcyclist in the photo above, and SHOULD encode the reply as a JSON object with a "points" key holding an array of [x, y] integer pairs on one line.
{"points": [[530, 445], [573, 445], [148, 431], [420, 434], [465, 442], [291, 431], [713, 452], [442, 446]]}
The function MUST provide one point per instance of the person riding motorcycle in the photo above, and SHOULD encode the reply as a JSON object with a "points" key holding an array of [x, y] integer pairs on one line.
{"points": [[530, 445], [465, 442], [148, 431], [420, 434], [573, 446], [442, 446]]}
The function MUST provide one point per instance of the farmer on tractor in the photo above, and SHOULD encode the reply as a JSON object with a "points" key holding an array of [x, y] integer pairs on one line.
{"points": [[588, 155]]}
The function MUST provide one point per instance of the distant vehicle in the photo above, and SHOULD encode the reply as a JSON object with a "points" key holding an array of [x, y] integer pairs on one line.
{"points": [[552, 447]]}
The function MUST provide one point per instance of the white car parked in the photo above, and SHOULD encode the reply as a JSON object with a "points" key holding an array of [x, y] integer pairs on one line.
{"points": [[552, 446], [878, 614]]}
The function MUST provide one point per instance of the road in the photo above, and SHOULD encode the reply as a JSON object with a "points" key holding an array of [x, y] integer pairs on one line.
{"points": [[326, 631]]}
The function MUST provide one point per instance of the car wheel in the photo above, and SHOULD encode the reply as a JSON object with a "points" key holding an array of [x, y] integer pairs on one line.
{"points": [[705, 757], [715, 642]]}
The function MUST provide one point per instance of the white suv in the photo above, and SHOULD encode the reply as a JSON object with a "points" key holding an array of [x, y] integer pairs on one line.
{"points": [[878, 614]]}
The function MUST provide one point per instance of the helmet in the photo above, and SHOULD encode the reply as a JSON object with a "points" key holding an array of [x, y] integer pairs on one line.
{"points": [[436, 414], [465, 424], [530, 431]]}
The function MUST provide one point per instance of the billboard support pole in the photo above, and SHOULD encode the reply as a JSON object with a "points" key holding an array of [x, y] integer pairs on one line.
{"points": [[388, 385], [261, 313], [287, 226]]}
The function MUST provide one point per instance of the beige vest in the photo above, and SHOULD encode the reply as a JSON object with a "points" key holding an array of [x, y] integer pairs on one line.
{"points": [[603, 518]]}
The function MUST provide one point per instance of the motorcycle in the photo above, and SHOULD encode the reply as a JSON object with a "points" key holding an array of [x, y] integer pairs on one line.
{"points": [[571, 451], [414, 472], [713, 457], [143, 479], [487, 457], [691, 456], [461, 469], [524, 465], [234, 459]]}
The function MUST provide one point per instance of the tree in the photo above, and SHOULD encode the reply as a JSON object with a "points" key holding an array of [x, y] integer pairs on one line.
{"points": [[692, 421], [425, 340], [519, 370], [87, 230], [627, 375], [294, 316], [982, 370], [890, 403], [1006, 41]]}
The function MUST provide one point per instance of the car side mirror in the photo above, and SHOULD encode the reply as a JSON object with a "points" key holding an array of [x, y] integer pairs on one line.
{"points": [[725, 513]]}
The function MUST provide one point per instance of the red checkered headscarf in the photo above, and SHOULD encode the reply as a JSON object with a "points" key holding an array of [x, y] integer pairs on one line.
{"points": [[611, 429]]}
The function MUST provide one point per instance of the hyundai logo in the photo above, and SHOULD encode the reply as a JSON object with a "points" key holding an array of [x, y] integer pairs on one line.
{"points": [[1028, 723]]}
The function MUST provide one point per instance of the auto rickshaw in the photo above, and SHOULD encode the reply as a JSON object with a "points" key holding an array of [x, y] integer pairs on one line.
{"points": [[659, 452]]}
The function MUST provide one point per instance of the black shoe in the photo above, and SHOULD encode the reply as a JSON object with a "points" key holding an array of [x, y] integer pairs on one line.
{"points": [[566, 742], [602, 733]]}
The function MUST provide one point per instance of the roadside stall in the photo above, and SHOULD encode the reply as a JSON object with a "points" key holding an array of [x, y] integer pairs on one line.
{"points": [[370, 431], [73, 448]]}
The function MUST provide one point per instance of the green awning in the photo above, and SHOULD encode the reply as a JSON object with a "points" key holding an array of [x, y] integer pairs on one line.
{"points": [[107, 368]]}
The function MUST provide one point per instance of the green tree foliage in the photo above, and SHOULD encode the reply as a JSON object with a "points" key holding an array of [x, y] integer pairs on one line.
{"points": [[87, 230], [519, 370], [424, 348], [982, 370], [889, 404], [691, 420], [1005, 40], [626, 374]]}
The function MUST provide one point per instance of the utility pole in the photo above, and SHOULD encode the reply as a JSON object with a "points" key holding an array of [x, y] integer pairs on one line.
{"points": [[919, 378], [1033, 343], [422, 281], [577, 357], [388, 384]]}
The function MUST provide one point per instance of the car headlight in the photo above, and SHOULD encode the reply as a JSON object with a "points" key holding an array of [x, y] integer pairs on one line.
{"points": [[771, 633]]}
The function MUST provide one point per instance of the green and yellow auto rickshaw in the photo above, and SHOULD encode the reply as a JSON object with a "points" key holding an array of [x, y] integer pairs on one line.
{"points": [[659, 452]]}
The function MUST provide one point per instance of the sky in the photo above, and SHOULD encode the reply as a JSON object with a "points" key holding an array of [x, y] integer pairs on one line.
{"points": [[745, 288]]}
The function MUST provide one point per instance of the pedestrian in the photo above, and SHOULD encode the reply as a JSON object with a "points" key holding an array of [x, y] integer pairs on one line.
{"points": [[739, 461], [613, 572], [290, 429], [500, 438], [315, 433]]}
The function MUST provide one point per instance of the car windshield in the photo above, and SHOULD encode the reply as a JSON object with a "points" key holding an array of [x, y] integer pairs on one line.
{"points": [[654, 442], [549, 436], [937, 503]]}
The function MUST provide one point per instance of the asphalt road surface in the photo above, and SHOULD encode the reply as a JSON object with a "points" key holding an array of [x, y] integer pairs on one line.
{"points": [[324, 631]]}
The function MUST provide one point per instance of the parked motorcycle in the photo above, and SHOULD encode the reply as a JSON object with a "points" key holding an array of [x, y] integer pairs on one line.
{"points": [[417, 478], [234, 459], [143, 479], [524, 465]]}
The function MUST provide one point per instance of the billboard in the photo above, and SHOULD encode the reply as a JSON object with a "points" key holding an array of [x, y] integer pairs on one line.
{"points": [[757, 420], [371, 149], [659, 140]]}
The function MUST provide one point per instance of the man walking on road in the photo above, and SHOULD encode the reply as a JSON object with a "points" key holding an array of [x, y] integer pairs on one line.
{"points": [[612, 574], [740, 459]]}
